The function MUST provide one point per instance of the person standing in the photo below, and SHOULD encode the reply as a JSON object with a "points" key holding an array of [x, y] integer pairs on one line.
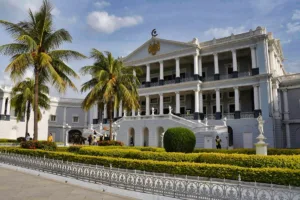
{"points": [[50, 138], [218, 142], [90, 139], [27, 138]]}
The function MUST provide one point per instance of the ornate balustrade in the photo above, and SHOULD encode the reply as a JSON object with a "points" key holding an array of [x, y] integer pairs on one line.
{"points": [[181, 187]]}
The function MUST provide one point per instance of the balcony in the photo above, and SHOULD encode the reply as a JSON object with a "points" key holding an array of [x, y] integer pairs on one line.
{"points": [[244, 115], [204, 79]]}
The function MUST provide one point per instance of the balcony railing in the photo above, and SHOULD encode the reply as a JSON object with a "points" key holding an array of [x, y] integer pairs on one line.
{"points": [[244, 115], [204, 79]]}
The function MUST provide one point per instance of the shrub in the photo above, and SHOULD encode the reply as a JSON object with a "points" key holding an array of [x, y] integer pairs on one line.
{"points": [[74, 149], [110, 143], [282, 161], [8, 141], [33, 144], [264, 175], [179, 139], [21, 139]]}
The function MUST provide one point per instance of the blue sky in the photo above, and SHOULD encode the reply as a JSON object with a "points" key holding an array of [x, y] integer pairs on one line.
{"points": [[120, 26]]}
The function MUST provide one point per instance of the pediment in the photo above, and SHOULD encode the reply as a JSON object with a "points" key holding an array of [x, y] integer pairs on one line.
{"points": [[165, 46]]}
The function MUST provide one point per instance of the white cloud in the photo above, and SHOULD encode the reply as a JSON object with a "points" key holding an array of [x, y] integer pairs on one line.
{"points": [[223, 32], [266, 6], [285, 41], [103, 22], [296, 15], [55, 12], [102, 4], [293, 27]]}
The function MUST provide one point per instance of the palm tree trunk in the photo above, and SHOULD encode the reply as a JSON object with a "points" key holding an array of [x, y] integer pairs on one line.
{"points": [[35, 109], [110, 120], [27, 117]]}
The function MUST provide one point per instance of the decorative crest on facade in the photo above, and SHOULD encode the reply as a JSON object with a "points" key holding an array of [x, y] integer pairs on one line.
{"points": [[154, 45]]}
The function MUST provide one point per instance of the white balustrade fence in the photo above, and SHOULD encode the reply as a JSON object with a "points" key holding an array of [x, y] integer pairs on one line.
{"points": [[159, 184]]}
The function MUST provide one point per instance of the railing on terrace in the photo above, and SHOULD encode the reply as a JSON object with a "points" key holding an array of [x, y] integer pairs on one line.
{"points": [[181, 187]]}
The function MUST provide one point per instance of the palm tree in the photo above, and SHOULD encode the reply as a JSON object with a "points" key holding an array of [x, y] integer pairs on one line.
{"points": [[111, 83], [23, 99], [35, 46]]}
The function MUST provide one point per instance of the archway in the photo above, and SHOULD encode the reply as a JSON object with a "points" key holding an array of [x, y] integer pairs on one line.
{"points": [[75, 137], [230, 136], [146, 137], [131, 136], [159, 131]]}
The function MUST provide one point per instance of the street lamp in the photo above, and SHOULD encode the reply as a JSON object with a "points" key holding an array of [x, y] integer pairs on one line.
{"points": [[67, 127]]}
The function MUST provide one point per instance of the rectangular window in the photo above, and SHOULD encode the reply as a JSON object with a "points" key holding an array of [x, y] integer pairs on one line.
{"points": [[230, 94], [182, 110], [53, 118], [231, 108], [182, 98], [214, 96], [167, 99], [154, 80], [204, 96], [204, 110], [143, 103], [203, 74], [75, 119], [154, 101]]}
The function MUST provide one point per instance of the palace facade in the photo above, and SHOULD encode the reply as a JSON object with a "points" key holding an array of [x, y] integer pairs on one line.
{"points": [[216, 87]]}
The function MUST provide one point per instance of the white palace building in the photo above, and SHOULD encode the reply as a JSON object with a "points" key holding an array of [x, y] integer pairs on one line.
{"points": [[216, 87]]}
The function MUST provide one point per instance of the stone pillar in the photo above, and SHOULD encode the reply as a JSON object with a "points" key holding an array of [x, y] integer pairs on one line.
{"points": [[147, 105], [275, 101], [196, 113], [132, 112], [201, 105], [177, 79], [120, 109], [105, 114], [286, 117], [161, 72], [148, 81], [257, 110], [3, 105], [196, 73], [200, 67], [216, 63], [234, 64], [177, 110], [161, 103], [218, 104], [237, 112], [255, 70]]}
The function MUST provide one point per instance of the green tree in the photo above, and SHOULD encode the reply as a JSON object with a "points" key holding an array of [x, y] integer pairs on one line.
{"points": [[110, 84], [36, 44], [23, 98]]}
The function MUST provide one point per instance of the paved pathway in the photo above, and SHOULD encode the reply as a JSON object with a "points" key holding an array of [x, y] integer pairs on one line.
{"points": [[15, 185]]}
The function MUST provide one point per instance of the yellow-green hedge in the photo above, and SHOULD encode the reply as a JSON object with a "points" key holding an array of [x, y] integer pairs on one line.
{"points": [[241, 160], [264, 175], [271, 151]]}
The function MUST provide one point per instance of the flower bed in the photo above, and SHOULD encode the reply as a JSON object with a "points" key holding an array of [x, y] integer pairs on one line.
{"points": [[33, 144]]}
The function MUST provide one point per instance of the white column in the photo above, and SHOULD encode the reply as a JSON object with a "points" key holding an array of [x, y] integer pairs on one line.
{"points": [[148, 73], [256, 97], [216, 63], [272, 58], [115, 112], [200, 66], [288, 135], [161, 70], [65, 115], [177, 67], [275, 101], [234, 61], [237, 98], [161, 103], [3, 105], [253, 57], [95, 112], [147, 105], [86, 124], [218, 108], [196, 101], [134, 72], [120, 109], [285, 104], [133, 112], [177, 111], [196, 64], [200, 102], [8, 107], [105, 111]]}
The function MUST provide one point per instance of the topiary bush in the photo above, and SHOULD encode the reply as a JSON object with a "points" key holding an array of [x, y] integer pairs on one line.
{"points": [[179, 139], [110, 143]]}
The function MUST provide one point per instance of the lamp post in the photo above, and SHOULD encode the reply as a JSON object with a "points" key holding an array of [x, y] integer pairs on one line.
{"points": [[67, 127]]}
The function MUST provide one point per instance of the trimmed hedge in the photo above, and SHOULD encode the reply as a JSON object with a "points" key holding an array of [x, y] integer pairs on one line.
{"points": [[179, 139], [263, 175], [74, 149], [110, 143], [33, 144], [271, 151], [8, 141], [292, 162]]}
